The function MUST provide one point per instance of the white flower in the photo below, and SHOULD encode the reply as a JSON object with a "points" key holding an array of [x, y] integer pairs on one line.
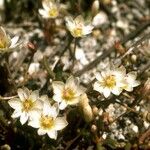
{"points": [[110, 81], [47, 121], [77, 26], [6, 43], [115, 81], [130, 81], [26, 105], [67, 94], [51, 9]]}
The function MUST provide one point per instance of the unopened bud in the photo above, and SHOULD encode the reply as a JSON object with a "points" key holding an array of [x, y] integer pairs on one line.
{"points": [[86, 108], [96, 33], [31, 47], [106, 2], [93, 128], [95, 110], [95, 7], [134, 58]]}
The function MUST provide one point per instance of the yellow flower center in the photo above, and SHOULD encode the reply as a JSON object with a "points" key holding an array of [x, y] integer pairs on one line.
{"points": [[68, 94], [3, 44], [27, 105], [53, 12], [47, 122], [77, 32], [110, 81]]}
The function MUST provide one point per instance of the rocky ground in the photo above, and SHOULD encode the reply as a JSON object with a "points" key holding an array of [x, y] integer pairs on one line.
{"points": [[121, 36]]}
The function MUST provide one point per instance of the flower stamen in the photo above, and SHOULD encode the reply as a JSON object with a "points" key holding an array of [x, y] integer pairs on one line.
{"points": [[27, 105], [68, 94], [110, 81], [47, 122]]}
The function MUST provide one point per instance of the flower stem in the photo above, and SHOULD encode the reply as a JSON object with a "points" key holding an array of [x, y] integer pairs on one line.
{"points": [[74, 51]]}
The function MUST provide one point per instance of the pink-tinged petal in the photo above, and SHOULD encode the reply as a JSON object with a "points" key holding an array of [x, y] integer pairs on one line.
{"points": [[58, 87], [23, 94], [41, 131], [62, 105], [23, 118], [52, 134], [34, 95], [106, 92], [16, 114], [15, 104], [60, 123]]}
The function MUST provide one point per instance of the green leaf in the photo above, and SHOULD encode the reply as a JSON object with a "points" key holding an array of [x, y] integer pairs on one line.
{"points": [[111, 143]]}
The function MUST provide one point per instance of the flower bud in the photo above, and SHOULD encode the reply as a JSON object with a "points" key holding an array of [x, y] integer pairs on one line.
{"points": [[95, 110], [86, 108], [31, 47], [95, 7], [93, 128], [106, 2]]}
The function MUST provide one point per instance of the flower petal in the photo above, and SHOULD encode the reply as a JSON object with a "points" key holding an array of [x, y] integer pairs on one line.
{"points": [[106, 92], [97, 87], [116, 90], [45, 5], [16, 114], [62, 105], [41, 131], [58, 87], [87, 29], [60, 123], [72, 82], [23, 118], [70, 23], [52, 134], [34, 95], [15, 103], [14, 40], [57, 98], [79, 20], [23, 94], [34, 123], [43, 13]]}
